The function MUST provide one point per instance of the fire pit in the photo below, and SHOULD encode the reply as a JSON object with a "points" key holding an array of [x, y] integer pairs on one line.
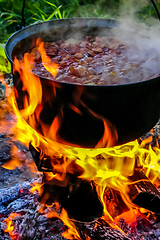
{"points": [[74, 149]]}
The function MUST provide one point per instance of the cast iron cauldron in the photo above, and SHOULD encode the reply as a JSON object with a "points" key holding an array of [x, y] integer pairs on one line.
{"points": [[132, 108]]}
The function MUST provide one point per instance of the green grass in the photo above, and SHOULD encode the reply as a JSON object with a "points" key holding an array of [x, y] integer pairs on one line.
{"points": [[44, 10]]}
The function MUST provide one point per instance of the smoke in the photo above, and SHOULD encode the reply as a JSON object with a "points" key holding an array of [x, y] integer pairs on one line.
{"points": [[141, 33], [141, 11], [138, 31], [136, 10]]}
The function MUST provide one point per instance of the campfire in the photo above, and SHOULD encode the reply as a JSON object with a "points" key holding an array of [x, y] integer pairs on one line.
{"points": [[101, 192]]}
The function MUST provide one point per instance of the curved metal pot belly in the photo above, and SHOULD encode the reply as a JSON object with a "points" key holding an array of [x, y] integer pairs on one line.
{"points": [[132, 109]]}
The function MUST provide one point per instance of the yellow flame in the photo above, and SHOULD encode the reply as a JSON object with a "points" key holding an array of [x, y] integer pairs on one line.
{"points": [[37, 187]]}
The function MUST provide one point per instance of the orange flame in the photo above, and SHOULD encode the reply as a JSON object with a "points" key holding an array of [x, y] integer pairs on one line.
{"points": [[110, 136], [71, 232], [31, 84], [32, 100], [37, 187], [129, 216], [14, 162], [46, 61], [10, 228]]}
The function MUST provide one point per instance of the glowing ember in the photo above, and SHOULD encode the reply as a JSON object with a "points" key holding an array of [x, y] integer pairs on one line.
{"points": [[10, 228], [129, 216], [14, 162], [37, 187], [71, 232]]}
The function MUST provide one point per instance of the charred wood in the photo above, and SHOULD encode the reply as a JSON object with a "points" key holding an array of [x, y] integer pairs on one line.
{"points": [[102, 231], [44, 164], [84, 204], [79, 198], [10, 198], [5, 149], [143, 193], [114, 202]]}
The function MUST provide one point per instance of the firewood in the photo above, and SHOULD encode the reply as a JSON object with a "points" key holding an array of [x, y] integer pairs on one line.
{"points": [[43, 166], [81, 202], [143, 193], [101, 230], [11, 193], [114, 202], [5, 149]]}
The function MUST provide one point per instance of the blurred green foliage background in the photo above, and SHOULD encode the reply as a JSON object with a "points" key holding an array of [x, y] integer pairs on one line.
{"points": [[44, 10]]}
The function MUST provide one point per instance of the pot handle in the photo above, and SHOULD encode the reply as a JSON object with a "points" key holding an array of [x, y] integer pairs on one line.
{"points": [[156, 9], [22, 25]]}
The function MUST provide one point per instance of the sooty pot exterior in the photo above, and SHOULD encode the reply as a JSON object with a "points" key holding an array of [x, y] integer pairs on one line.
{"points": [[132, 109]]}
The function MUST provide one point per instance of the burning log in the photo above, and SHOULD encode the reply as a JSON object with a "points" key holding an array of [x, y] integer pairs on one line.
{"points": [[5, 149], [102, 231], [84, 204], [143, 193], [12, 195], [79, 198], [114, 203], [28, 223], [42, 165]]}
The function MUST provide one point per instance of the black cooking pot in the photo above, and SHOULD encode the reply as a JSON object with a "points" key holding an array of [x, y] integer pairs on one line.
{"points": [[133, 108]]}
